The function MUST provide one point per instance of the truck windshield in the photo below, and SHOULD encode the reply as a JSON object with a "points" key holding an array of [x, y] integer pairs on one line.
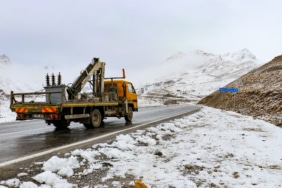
{"points": [[131, 88]]}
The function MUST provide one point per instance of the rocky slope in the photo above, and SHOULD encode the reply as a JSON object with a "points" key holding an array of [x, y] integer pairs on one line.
{"points": [[260, 93]]}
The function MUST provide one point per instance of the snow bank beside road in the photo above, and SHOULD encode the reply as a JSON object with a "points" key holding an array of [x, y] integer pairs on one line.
{"points": [[206, 149]]}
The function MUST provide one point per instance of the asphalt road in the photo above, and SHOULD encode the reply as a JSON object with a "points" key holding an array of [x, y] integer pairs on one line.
{"points": [[24, 138]]}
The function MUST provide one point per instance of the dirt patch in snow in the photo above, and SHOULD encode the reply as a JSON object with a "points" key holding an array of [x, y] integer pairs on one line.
{"points": [[260, 93]]}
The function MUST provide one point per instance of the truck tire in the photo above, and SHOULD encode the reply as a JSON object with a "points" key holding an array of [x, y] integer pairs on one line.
{"points": [[88, 126], [96, 118], [61, 124], [129, 116]]}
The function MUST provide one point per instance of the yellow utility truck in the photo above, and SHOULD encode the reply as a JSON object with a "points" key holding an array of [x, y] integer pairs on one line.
{"points": [[61, 104]]}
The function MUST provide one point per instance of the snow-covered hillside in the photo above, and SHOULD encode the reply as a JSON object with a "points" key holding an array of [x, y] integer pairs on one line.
{"points": [[16, 77], [194, 75]]}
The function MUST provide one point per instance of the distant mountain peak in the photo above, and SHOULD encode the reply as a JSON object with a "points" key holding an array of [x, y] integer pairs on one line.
{"points": [[240, 56], [207, 55], [203, 53], [5, 60], [176, 56]]}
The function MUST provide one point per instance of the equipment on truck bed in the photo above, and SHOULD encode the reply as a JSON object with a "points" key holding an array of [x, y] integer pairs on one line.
{"points": [[110, 97]]}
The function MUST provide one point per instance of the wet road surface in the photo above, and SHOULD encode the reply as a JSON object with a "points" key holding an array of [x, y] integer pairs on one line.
{"points": [[24, 138]]}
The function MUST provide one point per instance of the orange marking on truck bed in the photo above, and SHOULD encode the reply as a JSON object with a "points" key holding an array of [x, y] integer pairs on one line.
{"points": [[48, 109], [21, 110]]}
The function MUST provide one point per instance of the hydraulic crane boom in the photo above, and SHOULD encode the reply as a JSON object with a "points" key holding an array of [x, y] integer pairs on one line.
{"points": [[95, 69]]}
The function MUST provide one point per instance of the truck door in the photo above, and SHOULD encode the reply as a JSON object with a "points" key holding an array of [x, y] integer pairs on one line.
{"points": [[131, 95]]}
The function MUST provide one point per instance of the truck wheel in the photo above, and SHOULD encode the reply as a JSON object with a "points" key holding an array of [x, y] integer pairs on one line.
{"points": [[96, 118], [61, 124], [129, 116], [88, 126]]}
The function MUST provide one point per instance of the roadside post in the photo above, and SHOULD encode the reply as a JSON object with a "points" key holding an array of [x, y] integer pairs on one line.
{"points": [[229, 90]]}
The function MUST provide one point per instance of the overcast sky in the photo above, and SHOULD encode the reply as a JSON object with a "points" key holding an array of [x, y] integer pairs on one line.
{"points": [[135, 34]]}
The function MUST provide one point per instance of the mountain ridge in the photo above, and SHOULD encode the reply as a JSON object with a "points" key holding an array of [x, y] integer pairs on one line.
{"points": [[197, 74]]}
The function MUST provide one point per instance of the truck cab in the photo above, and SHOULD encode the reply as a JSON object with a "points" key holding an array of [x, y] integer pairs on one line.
{"points": [[124, 90]]}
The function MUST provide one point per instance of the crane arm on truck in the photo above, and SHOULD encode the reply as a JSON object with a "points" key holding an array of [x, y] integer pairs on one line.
{"points": [[95, 69]]}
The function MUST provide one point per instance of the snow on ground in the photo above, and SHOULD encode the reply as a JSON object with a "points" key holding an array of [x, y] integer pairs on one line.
{"points": [[211, 148], [6, 115]]}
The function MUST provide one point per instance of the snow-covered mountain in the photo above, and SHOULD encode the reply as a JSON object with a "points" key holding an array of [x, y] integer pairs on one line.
{"points": [[191, 76], [4, 60], [240, 56], [17, 77], [5, 64]]}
